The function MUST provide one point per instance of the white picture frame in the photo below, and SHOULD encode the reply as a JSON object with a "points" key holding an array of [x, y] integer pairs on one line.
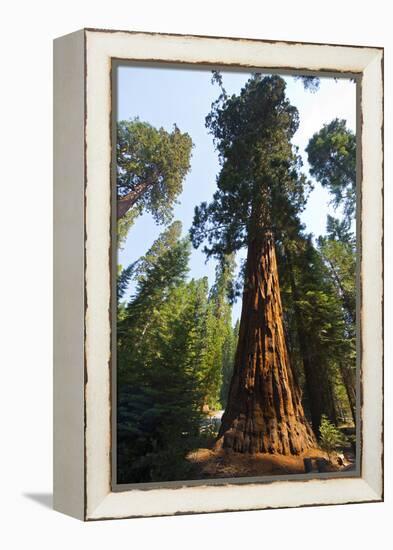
{"points": [[82, 256]]}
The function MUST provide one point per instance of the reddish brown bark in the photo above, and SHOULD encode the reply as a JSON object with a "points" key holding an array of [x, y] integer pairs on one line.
{"points": [[128, 201], [264, 411]]}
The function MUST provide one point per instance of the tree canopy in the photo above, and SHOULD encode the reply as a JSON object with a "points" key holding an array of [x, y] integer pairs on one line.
{"points": [[310, 83], [259, 185], [290, 361], [332, 158], [151, 166], [174, 347]]}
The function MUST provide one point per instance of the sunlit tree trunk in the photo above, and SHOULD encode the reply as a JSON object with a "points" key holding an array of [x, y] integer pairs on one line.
{"points": [[125, 203], [264, 411]]}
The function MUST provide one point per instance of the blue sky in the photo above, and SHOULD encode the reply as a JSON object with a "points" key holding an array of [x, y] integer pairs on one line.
{"points": [[163, 96]]}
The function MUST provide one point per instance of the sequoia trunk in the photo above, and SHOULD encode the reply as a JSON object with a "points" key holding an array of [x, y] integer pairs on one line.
{"points": [[264, 411], [127, 201]]}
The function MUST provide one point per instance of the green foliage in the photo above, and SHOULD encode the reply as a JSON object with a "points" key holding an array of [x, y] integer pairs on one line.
{"points": [[123, 279], [170, 336], [321, 311], [330, 437], [219, 333], [340, 230], [316, 327], [125, 223], [176, 343], [158, 393], [332, 157], [228, 361], [325, 275], [259, 185], [339, 254], [151, 166], [310, 83]]}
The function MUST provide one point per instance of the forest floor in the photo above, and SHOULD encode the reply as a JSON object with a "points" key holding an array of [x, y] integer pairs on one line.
{"points": [[216, 462], [219, 463]]}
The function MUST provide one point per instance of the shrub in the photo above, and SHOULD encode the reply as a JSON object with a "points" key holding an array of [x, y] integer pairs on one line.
{"points": [[330, 437]]}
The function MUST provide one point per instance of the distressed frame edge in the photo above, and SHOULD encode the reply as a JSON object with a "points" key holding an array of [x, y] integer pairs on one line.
{"points": [[115, 487], [69, 275], [376, 492], [372, 128]]}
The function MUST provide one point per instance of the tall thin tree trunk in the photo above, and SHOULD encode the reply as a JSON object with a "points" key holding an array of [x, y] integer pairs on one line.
{"points": [[264, 411], [349, 380], [319, 387]]}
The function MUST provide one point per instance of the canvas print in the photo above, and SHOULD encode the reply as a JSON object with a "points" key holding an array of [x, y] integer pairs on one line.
{"points": [[235, 327]]}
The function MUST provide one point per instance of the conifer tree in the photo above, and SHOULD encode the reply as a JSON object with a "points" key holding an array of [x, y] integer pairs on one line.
{"points": [[218, 331], [338, 251], [228, 361], [259, 189], [332, 157], [159, 359], [151, 166], [307, 293]]}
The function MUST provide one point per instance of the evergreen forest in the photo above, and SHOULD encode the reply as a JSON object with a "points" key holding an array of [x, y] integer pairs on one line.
{"points": [[201, 394]]}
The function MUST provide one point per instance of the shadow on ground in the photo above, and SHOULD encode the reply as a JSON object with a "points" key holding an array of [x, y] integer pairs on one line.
{"points": [[45, 499]]}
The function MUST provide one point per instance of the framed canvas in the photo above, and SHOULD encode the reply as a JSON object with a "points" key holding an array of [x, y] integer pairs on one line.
{"points": [[218, 268]]}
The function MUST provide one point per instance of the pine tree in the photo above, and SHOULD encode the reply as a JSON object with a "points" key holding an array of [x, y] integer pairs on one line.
{"points": [[159, 362], [307, 293], [218, 331], [228, 361], [332, 157], [338, 251]]}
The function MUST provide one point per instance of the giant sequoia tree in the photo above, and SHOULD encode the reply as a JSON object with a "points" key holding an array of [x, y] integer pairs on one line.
{"points": [[151, 166], [259, 191]]}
